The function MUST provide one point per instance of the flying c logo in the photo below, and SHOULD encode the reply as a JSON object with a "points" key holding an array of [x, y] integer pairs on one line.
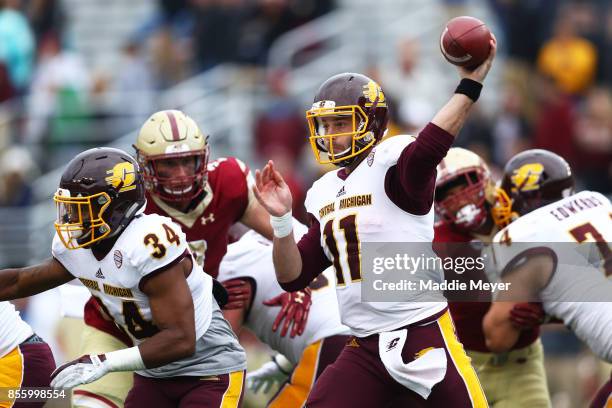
{"points": [[527, 177], [372, 91], [122, 176]]}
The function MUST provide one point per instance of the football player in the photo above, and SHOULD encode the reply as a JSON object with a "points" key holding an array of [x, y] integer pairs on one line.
{"points": [[205, 199], [383, 192], [25, 359], [465, 193], [303, 358], [141, 271], [538, 251]]}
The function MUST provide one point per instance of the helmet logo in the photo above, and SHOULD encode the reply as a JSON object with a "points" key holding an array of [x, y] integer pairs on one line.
{"points": [[527, 177], [122, 176], [372, 91]]}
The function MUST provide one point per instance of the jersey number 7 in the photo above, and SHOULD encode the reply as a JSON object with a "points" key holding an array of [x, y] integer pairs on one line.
{"points": [[353, 248]]}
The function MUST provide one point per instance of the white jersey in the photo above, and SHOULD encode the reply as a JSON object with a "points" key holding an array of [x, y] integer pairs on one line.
{"points": [[577, 218], [13, 330], [251, 258], [358, 210], [148, 244]]}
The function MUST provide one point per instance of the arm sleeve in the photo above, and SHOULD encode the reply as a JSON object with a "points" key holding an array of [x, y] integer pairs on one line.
{"points": [[314, 260], [410, 184]]}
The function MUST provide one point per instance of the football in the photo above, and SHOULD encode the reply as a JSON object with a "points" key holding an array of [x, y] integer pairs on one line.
{"points": [[465, 42]]}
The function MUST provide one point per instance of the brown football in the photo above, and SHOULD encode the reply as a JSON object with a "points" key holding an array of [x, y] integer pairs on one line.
{"points": [[465, 42]]}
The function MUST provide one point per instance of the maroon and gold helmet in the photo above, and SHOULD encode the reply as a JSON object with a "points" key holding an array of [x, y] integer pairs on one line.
{"points": [[99, 193], [531, 179], [355, 96], [171, 135], [464, 189]]}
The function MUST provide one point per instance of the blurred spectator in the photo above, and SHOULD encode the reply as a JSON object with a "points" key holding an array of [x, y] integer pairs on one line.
{"points": [[280, 125], [58, 109], [46, 17], [414, 87], [569, 59], [510, 128], [170, 58], [476, 134], [132, 87], [217, 24], [593, 141], [16, 44], [16, 169], [554, 123]]}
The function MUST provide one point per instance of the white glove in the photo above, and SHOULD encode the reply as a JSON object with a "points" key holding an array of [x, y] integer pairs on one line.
{"points": [[83, 370], [275, 371], [90, 367]]}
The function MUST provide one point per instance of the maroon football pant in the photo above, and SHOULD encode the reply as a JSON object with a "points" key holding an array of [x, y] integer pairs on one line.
{"points": [[224, 390], [603, 399], [358, 378], [315, 358], [29, 365]]}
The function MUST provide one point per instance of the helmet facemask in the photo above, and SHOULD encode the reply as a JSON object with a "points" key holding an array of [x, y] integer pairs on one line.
{"points": [[80, 220], [361, 138], [171, 187], [466, 204]]}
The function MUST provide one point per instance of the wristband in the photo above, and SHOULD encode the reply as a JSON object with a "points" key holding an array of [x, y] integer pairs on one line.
{"points": [[282, 225], [128, 359], [284, 365], [469, 88]]}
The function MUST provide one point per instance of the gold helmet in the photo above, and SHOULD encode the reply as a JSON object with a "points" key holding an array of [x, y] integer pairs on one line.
{"points": [[463, 187], [171, 135]]}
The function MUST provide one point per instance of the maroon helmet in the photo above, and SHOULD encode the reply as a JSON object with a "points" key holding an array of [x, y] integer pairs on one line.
{"points": [[354, 96], [531, 179], [100, 192]]}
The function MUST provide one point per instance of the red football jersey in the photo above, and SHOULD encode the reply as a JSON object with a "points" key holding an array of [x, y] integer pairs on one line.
{"points": [[228, 195], [468, 316]]}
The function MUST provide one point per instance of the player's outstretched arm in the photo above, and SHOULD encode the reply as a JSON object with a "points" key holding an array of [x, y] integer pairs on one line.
{"points": [[173, 313], [28, 281], [453, 115], [273, 194]]}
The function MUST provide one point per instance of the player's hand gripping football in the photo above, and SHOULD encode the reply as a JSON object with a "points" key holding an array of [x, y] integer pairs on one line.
{"points": [[480, 72], [83, 370], [295, 307], [271, 191]]}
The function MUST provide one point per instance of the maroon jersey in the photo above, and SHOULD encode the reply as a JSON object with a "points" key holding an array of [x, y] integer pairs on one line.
{"points": [[468, 316], [227, 196]]}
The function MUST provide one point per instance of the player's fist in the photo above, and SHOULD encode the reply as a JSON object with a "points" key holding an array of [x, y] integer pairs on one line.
{"points": [[83, 370], [295, 307], [527, 315], [271, 191]]}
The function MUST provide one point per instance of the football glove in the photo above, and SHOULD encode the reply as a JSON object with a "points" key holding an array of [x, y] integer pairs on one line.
{"points": [[275, 371], [295, 307], [529, 315], [83, 370], [239, 292]]}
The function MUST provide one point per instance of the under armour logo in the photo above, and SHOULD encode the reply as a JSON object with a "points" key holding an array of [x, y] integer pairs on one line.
{"points": [[99, 274], [341, 192], [392, 344], [209, 218]]}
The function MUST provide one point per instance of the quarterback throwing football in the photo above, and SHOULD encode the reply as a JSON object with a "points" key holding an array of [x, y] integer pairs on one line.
{"points": [[402, 349]]}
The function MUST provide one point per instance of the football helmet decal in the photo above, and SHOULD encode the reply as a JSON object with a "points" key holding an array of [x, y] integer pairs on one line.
{"points": [[100, 192], [531, 179], [171, 135], [464, 189], [361, 102]]}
